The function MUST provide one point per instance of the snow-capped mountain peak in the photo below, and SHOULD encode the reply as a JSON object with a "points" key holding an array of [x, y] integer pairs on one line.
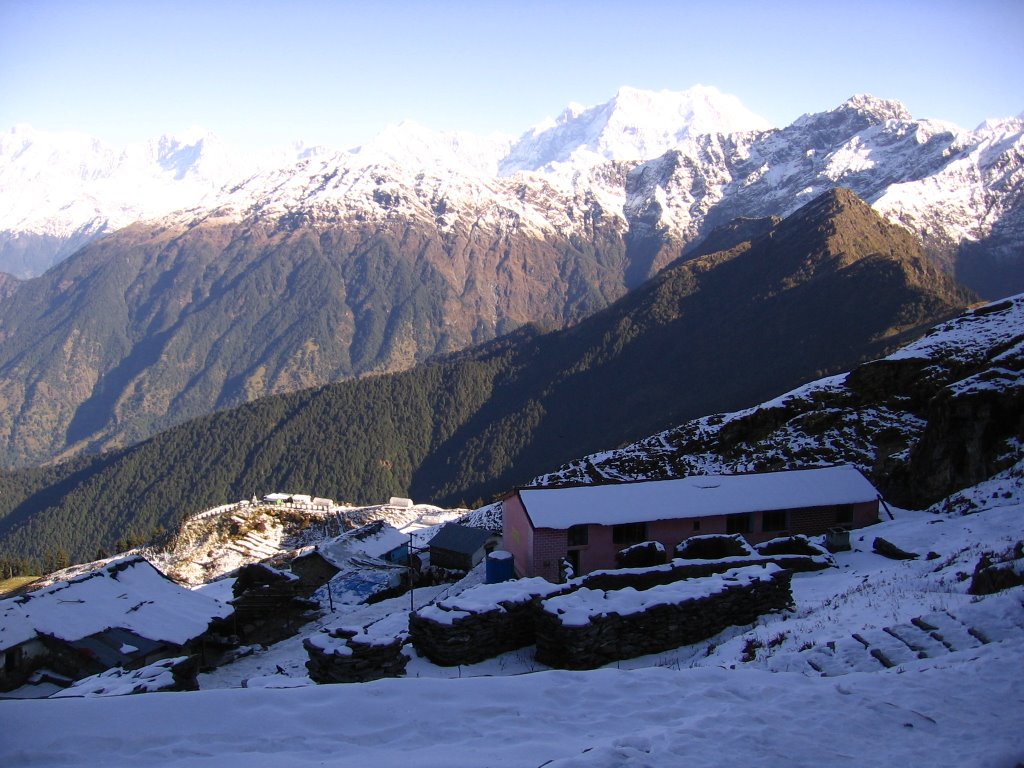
{"points": [[69, 187], [1001, 125], [682, 114], [855, 114], [634, 125], [881, 109], [194, 153]]}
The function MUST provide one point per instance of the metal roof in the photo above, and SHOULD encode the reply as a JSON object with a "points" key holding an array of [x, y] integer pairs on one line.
{"points": [[117, 646], [460, 538], [696, 496]]}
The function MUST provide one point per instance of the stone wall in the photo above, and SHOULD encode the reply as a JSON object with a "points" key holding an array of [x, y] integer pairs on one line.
{"points": [[659, 575], [645, 555], [796, 553], [490, 619], [813, 559], [353, 655], [268, 605], [481, 622], [588, 628], [713, 547]]}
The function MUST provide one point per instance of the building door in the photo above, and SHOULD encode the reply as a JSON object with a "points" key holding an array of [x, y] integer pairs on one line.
{"points": [[573, 556]]}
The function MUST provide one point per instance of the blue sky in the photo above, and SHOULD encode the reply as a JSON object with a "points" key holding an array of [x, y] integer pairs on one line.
{"points": [[335, 73]]}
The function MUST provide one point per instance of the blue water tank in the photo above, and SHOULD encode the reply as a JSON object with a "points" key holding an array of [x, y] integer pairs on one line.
{"points": [[500, 566]]}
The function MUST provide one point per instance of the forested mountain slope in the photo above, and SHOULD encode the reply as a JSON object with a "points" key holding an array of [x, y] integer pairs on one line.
{"points": [[237, 280], [147, 328]]}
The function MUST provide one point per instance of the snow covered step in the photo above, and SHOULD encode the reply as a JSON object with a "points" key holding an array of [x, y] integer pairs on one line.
{"points": [[795, 661], [248, 548], [918, 640], [888, 649], [948, 630], [841, 658], [260, 547], [992, 619], [996, 617]]}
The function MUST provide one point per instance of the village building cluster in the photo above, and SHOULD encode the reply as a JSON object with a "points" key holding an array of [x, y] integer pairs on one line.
{"points": [[126, 614]]}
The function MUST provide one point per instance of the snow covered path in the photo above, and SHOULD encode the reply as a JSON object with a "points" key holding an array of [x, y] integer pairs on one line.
{"points": [[967, 710]]}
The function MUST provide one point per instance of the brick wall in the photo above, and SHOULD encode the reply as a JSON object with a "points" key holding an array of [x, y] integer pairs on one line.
{"points": [[549, 547], [814, 521], [517, 534]]}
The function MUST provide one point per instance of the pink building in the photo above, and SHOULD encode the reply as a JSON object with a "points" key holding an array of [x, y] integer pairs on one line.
{"points": [[588, 524]]}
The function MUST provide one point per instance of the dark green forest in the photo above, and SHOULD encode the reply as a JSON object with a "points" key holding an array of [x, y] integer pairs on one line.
{"points": [[827, 288], [151, 326]]}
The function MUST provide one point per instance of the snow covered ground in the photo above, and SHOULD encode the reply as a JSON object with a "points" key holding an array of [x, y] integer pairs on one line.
{"points": [[966, 712], [718, 703]]}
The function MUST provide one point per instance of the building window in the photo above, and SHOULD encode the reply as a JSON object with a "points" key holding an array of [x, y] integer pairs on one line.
{"points": [[774, 520], [738, 523], [844, 513], [579, 535], [629, 533], [696, 525]]}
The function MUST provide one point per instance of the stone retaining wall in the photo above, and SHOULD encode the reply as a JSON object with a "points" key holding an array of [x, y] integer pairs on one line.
{"points": [[490, 619], [660, 575], [588, 628], [481, 622], [351, 655], [679, 569]]}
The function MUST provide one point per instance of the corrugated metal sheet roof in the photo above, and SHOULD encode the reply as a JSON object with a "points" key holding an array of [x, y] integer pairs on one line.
{"points": [[460, 538], [697, 496], [117, 646]]}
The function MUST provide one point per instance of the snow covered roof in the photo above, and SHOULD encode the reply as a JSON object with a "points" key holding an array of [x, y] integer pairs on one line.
{"points": [[696, 496], [373, 540], [128, 593]]}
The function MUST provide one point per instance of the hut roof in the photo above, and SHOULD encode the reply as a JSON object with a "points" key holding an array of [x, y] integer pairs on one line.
{"points": [[460, 538], [128, 593]]}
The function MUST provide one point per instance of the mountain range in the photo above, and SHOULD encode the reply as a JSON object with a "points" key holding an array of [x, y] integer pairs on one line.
{"points": [[781, 302], [224, 278], [693, 160]]}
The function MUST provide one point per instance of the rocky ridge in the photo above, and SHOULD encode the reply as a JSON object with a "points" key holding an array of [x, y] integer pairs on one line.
{"points": [[941, 414]]}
